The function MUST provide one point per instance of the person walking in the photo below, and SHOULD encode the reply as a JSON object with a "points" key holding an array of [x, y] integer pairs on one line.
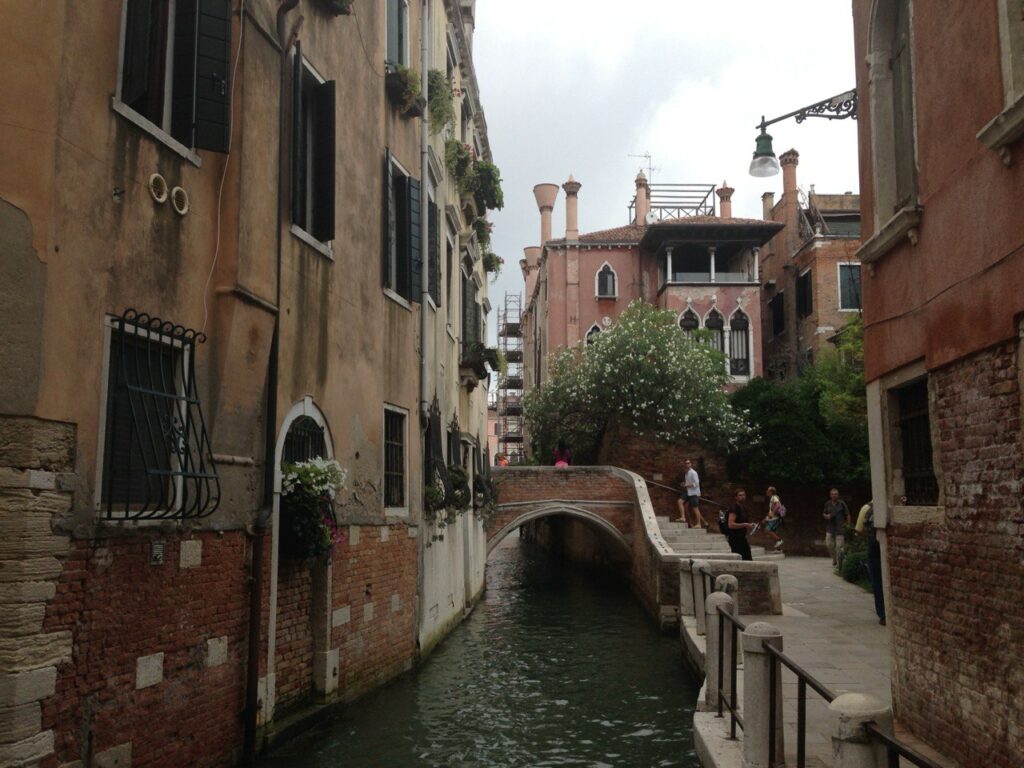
{"points": [[836, 515], [689, 504], [737, 525], [773, 520], [866, 527]]}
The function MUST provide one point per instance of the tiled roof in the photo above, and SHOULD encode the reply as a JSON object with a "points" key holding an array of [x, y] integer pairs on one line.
{"points": [[631, 233], [634, 233]]}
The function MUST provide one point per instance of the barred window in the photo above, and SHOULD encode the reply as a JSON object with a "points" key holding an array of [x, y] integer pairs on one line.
{"points": [[606, 288], [394, 458], [739, 344], [157, 459], [920, 485], [304, 441], [715, 323]]}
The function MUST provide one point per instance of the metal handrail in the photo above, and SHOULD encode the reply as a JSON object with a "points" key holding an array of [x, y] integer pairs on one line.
{"points": [[896, 749], [736, 626]]}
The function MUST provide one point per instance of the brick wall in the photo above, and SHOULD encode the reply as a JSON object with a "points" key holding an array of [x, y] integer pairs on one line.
{"points": [[374, 606], [957, 586], [293, 652], [181, 709]]}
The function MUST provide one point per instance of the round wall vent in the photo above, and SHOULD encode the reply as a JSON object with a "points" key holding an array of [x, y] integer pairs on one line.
{"points": [[158, 188], [179, 199]]}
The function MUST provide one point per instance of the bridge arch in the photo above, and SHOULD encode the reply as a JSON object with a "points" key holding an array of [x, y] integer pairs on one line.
{"points": [[558, 508]]}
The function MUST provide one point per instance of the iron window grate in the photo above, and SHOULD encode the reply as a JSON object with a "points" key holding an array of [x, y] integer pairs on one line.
{"points": [[158, 462], [394, 459], [920, 484]]}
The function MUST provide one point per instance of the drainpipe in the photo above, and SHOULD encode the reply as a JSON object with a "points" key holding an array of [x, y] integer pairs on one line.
{"points": [[252, 672], [424, 209]]}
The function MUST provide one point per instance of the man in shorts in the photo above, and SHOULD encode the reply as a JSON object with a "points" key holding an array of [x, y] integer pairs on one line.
{"points": [[689, 504]]}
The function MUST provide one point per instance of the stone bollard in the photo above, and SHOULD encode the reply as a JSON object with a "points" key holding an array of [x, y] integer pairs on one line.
{"points": [[713, 640], [757, 665], [729, 584], [685, 589], [698, 580], [852, 745]]}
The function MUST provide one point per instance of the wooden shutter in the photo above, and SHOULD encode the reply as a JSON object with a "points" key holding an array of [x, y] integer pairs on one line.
{"points": [[403, 276], [415, 240], [389, 222], [903, 108], [434, 260], [212, 75], [298, 142], [323, 156], [183, 89]]}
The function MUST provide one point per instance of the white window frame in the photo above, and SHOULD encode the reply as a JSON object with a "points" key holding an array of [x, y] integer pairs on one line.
{"points": [[325, 248], [389, 290], [728, 345], [402, 511], [1008, 126], [614, 295], [839, 286], [109, 326], [161, 133], [590, 330]]}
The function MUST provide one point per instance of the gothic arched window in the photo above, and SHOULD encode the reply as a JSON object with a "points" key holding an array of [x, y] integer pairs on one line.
{"points": [[739, 344], [689, 322], [592, 333], [715, 323], [606, 283]]}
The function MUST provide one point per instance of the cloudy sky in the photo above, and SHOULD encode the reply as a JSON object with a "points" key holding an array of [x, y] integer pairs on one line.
{"points": [[577, 86]]}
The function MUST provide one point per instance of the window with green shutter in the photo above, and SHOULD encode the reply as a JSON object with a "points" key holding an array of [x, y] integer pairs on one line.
{"points": [[313, 128], [403, 232]]}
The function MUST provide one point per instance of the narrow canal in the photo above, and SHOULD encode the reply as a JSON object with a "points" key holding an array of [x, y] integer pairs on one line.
{"points": [[555, 667]]}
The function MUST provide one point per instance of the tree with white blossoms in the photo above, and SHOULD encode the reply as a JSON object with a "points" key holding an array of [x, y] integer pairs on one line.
{"points": [[644, 374]]}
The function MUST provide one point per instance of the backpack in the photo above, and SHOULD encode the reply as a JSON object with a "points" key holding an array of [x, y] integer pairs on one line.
{"points": [[723, 520], [781, 510]]}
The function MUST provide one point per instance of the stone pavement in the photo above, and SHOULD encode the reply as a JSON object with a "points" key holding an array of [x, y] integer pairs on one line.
{"points": [[829, 627]]}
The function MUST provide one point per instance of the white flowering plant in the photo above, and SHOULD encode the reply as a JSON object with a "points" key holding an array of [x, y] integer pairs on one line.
{"points": [[645, 374], [309, 528]]}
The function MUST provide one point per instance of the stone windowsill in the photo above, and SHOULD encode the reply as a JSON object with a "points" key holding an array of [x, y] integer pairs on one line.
{"points": [[903, 224], [1005, 128], [901, 514]]}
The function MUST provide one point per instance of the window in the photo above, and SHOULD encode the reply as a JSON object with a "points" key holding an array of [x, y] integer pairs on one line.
{"points": [[157, 461], [804, 295], [739, 344], [1011, 43], [892, 107], [394, 458], [777, 311], [689, 322], [403, 255], [304, 441], [312, 151], [174, 69], [606, 283], [593, 333], [849, 287], [398, 32], [715, 323], [434, 252], [915, 444], [471, 319]]}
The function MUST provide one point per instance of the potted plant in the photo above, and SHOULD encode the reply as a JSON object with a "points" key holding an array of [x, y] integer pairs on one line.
{"points": [[458, 158], [403, 88], [493, 263], [439, 97], [309, 527], [488, 186], [482, 227]]}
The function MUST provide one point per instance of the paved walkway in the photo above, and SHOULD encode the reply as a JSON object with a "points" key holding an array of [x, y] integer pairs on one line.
{"points": [[829, 627]]}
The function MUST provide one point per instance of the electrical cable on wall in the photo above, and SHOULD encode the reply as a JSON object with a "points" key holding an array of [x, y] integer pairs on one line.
{"points": [[227, 158]]}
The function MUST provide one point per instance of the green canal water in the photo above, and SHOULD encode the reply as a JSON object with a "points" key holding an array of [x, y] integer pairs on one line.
{"points": [[555, 667]]}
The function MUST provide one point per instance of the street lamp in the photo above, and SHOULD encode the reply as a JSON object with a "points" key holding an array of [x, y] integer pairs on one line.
{"points": [[838, 107]]}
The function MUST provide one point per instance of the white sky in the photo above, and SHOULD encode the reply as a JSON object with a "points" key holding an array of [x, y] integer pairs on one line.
{"points": [[576, 86]]}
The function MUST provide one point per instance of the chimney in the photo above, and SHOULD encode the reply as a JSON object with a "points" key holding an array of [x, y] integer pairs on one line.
{"points": [[724, 193], [643, 199], [767, 203], [572, 228], [545, 194], [789, 161], [531, 268]]}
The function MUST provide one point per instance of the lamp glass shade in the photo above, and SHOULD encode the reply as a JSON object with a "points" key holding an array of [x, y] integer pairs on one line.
{"points": [[764, 166]]}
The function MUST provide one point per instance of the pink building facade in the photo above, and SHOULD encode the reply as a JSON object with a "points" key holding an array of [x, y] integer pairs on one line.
{"points": [[676, 253]]}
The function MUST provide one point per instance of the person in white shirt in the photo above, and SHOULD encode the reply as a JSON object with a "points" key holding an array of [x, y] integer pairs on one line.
{"points": [[689, 504]]}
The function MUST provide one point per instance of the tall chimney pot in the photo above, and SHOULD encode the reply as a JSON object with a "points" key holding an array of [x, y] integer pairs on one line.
{"points": [[643, 199], [572, 228], [789, 161], [767, 203], [545, 194], [531, 266], [724, 193]]}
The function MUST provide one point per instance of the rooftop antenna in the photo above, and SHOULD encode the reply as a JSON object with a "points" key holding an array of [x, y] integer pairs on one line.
{"points": [[650, 168]]}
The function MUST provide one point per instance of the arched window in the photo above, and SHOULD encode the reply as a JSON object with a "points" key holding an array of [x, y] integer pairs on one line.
{"points": [[715, 323], [606, 283], [739, 344], [592, 333], [689, 322], [304, 441], [892, 106]]}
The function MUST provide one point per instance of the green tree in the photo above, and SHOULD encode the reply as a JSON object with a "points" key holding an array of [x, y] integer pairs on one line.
{"points": [[644, 374]]}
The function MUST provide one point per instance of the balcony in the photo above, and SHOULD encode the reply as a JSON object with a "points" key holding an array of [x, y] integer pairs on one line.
{"points": [[474, 362]]}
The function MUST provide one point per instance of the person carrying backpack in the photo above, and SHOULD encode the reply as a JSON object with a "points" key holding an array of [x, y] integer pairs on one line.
{"points": [[773, 520]]}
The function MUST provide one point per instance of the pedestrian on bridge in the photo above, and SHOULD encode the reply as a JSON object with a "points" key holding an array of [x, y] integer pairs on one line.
{"points": [[689, 504], [738, 525]]}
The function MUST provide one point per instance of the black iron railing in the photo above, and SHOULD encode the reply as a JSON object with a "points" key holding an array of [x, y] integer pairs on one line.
{"points": [[896, 749], [732, 701]]}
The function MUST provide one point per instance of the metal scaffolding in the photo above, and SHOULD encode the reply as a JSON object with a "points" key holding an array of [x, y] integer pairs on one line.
{"points": [[510, 381]]}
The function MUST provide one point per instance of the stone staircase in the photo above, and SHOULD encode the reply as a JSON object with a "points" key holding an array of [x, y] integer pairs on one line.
{"points": [[685, 541]]}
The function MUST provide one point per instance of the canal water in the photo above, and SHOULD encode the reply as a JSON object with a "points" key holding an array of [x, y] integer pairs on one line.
{"points": [[555, 667]]}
